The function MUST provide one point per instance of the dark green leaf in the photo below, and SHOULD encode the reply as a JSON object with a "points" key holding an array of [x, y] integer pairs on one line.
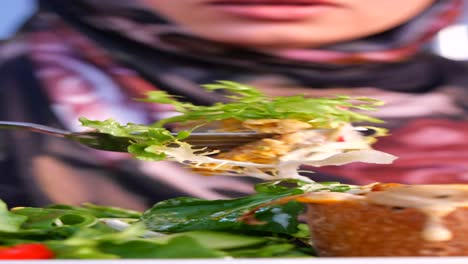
{"points": [[186, 214], [279, 186]]}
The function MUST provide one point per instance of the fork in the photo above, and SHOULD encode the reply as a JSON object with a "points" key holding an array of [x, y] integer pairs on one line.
{"points": [[222, 141]]}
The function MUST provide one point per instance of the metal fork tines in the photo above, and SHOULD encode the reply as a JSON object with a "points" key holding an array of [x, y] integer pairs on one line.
{"points": [[223, 140], [212, 140]]}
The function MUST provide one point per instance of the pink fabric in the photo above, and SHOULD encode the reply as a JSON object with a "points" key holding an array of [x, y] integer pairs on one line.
{"points": [[428, 150], [82, 81]]}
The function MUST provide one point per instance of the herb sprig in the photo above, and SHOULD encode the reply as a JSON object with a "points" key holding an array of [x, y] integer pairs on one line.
{"points": [[247, 102]]}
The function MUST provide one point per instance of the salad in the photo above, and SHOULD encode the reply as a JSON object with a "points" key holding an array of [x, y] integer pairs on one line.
{"points": [[304, 131], [177, 228]]}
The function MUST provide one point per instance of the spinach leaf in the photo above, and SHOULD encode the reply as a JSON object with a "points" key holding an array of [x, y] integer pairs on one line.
{"points": [[186, 214]]}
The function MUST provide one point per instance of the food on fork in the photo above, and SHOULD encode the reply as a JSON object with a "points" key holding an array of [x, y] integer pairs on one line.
{"points": [[304, 131]]}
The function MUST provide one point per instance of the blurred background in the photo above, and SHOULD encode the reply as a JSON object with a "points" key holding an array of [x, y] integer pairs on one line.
{"points": [[451, 42], [13, 13]]}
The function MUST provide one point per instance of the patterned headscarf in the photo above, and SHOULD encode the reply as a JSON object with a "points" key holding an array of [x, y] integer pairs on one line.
{"points": [[95, 55]]}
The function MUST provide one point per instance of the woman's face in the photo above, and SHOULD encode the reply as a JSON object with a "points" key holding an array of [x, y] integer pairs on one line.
{"points": [[287, 23]]}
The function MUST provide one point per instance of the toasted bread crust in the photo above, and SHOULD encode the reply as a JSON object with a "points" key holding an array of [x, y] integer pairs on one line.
{"points": [[358, 228]]}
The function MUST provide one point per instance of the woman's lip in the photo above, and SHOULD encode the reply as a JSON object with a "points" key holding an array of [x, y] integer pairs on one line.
{"points": [[273, 10]]}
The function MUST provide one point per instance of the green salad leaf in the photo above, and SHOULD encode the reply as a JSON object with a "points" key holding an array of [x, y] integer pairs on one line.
{"points": [[177, 247], [176, 228], [45, 218], [9, 222], [247, 102], [188, 214], [185, 214], [100, 211], [139, 137]]}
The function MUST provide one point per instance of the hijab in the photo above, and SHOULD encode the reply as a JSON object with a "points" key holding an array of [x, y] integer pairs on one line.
{"points": [[123, 49]]}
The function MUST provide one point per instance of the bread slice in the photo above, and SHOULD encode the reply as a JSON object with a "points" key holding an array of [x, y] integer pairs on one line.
{"points": [[392, 220]]}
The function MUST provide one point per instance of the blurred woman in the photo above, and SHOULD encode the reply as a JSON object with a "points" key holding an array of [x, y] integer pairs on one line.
{"points": [[92, 58]]}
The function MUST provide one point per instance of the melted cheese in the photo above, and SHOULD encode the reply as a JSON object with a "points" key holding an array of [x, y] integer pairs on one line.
{"points": [[435, 201]]}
